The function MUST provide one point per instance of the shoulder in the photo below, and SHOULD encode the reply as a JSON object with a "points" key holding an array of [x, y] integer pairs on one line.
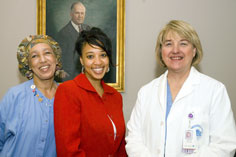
{"points": [[66, 27], [20, 89], [152, 85], [113, 95], [68, 89], [66, 93], [15, 96], [112, 90], [149, 90], [85, 26], [67, 85], [205, 84], [64, 31], [208, 81]]}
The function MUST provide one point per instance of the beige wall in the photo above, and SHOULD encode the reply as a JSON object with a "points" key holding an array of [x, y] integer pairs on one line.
{"points": [[18, 19], [214, 21]]}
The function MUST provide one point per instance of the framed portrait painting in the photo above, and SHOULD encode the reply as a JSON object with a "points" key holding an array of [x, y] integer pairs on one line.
{"points": [[55, 16]]}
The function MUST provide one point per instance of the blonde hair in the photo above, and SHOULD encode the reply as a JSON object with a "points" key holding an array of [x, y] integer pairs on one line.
{"points": [[184, 30]]}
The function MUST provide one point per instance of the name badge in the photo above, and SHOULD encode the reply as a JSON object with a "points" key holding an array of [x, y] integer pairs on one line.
{"points": [[190, 141], [190, 138]]}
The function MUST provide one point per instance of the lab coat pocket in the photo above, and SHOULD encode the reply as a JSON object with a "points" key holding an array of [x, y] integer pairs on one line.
{"points": [[200, 124]]}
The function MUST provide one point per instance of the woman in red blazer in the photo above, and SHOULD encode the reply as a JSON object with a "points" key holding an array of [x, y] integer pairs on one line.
{"points": [[88, 113]]}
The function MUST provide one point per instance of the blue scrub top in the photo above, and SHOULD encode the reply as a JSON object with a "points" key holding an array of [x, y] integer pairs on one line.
{"points": [[168, 107], [26, 124]]}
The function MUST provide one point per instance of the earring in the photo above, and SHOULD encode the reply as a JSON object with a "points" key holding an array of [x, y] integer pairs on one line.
{"points": [[108, 69], [82, 69]]}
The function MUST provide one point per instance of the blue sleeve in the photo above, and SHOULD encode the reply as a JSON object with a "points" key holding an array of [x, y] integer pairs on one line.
{"points": [[6, 111], [3, 111], [2, 126]]}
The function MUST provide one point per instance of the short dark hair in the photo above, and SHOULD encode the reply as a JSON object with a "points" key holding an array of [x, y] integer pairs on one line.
{"points": [[94, 36]]}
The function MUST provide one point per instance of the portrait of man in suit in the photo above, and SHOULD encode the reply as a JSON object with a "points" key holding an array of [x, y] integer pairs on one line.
{"points": [[64, 20], [67, 37]]}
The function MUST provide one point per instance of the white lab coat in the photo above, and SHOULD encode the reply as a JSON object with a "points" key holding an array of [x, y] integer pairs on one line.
{"points": [[201, 95]]}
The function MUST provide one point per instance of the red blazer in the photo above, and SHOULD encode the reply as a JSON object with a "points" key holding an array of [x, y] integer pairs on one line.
{"points": [[82, 125]]}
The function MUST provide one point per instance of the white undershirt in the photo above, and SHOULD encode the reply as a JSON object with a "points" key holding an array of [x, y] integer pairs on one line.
{"points": [[114, 127], [75, 26]]}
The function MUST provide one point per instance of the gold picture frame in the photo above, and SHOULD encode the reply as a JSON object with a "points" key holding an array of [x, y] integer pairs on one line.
{"points": [[119, 83]]}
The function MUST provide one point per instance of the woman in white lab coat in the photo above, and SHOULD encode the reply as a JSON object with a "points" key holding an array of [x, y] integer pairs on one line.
{"points": [[183, 112]]}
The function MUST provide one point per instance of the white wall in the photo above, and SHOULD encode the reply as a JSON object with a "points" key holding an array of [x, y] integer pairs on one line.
{"points": [[213, 20]]}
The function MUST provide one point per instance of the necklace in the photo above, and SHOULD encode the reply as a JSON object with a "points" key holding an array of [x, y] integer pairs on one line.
{"points": [[33, 87]]}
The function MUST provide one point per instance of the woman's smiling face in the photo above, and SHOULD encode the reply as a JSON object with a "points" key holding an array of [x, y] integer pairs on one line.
{"points": [[95, 62], [177, 53], [42, 61]]}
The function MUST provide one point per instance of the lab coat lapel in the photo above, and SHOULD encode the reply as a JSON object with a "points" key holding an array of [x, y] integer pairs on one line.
{"points": [[186, 89], [188, 85]]}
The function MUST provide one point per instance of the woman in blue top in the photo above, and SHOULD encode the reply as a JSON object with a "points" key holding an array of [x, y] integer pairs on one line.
{"points": [[26, 111]]}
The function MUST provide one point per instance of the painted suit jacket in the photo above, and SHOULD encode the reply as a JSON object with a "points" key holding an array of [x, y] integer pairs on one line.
{"points": [[66, 38]]}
